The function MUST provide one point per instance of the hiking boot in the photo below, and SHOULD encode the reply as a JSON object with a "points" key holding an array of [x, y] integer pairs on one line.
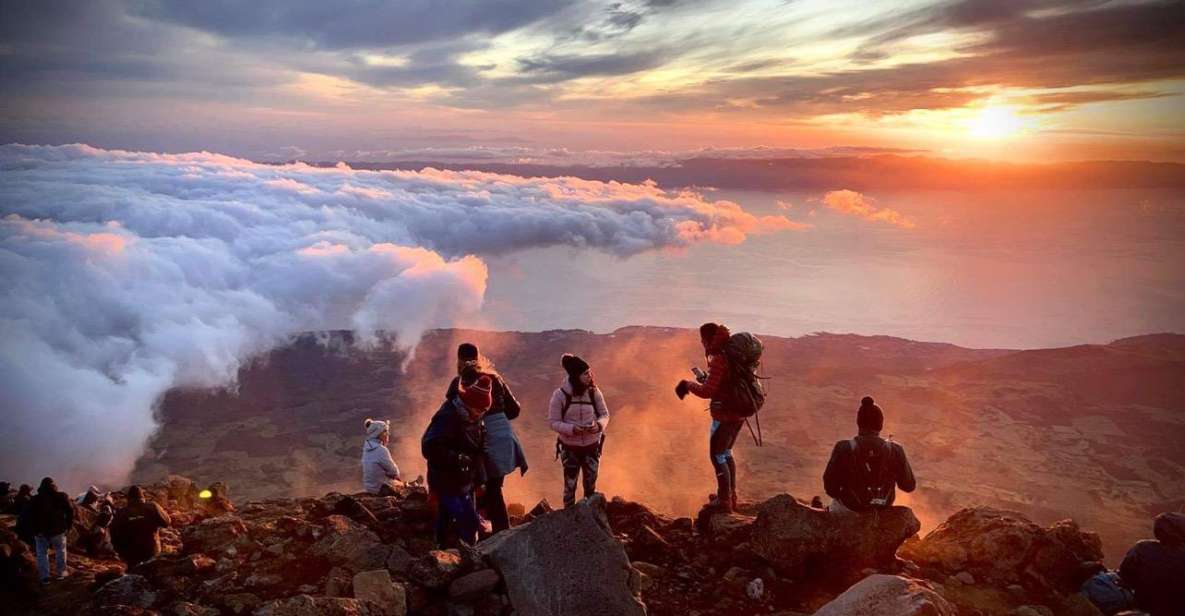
{"points": [[733, 500]]}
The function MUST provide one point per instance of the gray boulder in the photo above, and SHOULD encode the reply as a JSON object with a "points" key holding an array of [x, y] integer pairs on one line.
{"points": [[350, 545], [305, 605], [888, 595], [376, 587], [130, 590], [566, 562], [799, 540]]}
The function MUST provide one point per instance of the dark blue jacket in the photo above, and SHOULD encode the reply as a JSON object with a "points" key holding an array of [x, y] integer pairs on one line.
{"points": [[454, 447]]}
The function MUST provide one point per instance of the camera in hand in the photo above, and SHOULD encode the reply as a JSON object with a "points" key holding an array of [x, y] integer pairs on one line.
{"points": [[700, 375]]}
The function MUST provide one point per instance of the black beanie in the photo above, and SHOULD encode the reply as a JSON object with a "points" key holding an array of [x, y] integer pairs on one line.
{"points": [[870, 417], [467, 351], [573, 365]]}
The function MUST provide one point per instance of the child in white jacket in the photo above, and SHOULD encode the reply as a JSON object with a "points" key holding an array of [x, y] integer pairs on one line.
{"points": [[378, 469]]}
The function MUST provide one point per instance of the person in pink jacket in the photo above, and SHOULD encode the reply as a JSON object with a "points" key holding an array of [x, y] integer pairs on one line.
{"points": [[579, 416]]}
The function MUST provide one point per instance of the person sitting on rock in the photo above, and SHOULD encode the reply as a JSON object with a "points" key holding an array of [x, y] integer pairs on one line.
{"points": [[135, 531], [504, 452], [864, 471], [379, 471], [1154, 569], [726, 425], [579, 416], [48, 517], [454, 446]]}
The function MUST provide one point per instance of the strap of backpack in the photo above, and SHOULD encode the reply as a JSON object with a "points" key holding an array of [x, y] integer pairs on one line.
{"points": [[567, 403]]}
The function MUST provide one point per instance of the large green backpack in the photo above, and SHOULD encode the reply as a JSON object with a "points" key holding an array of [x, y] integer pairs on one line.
{"points": [[743, 394]]}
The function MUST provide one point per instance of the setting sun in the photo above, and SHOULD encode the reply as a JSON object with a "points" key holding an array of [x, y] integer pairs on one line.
{"points": [[995, 123]]}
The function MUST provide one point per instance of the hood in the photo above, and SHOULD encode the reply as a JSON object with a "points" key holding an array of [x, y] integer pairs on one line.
{"points": [[719, 340], [1169, 528]]}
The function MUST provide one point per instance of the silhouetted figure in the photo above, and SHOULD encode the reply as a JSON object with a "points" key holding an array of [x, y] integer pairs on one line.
{"points": [[1154, 569], [49, 516], [579, 416], [378, 468], [22, 498], [135, 531], [454, 446], [726, 424], [504, 452], [864, 471], [6, 497]]}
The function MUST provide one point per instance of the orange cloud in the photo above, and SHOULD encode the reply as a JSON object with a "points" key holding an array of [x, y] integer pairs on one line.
{"points": [[855, 204]]}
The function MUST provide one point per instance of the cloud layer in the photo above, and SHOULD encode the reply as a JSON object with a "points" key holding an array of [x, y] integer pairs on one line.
{"points": [[128, 273], [855, 204]]}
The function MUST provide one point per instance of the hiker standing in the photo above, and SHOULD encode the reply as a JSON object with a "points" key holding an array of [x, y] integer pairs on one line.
{"points": [[22, 498], [579, 416], [454, 446], [1154, 569], [379, 471], [135, 531], [504, 452], [863, 472], [48, 517], [729, 409]]}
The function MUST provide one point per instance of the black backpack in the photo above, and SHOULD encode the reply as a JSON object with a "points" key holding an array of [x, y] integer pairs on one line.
{"points": [[872, 480], [741, 392]]}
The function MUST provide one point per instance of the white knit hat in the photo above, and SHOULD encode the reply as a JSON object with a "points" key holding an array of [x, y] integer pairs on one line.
{"points": [[375, 428]]}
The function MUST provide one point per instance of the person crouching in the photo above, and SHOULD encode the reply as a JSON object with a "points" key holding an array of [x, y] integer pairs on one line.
{"points": [[454, 446], [379, 472]]}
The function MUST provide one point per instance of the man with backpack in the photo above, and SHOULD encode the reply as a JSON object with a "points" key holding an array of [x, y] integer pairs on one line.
{"points": [[865, 471], [735, 393]]}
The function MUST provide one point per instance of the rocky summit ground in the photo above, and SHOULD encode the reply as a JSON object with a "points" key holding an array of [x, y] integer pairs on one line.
{"points": [[361, 554]]}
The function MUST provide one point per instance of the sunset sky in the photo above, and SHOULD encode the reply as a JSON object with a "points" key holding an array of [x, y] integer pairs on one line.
{"points": [[270, 79]]}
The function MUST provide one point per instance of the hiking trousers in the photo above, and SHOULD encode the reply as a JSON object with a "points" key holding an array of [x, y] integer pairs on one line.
{"points": [[456, 510], [43, 544], [494, 504], [723, 437], [579, 461]]}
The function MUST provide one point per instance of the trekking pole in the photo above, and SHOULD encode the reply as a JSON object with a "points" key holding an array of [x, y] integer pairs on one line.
{"points": [[755, 435]]}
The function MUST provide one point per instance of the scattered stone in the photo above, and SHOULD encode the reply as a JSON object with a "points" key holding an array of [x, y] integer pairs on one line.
{"points": [[542, 577], [437, 569], [756, 589], [540, 508], [350, 545], [376, 587], [214, 535], [305, 605], [1031, 610], [469, 588], [239, 603], [888, 595], [132, 590], [799, 540], [1004, 547], [185, 608], [966, 578], [399, 560]]}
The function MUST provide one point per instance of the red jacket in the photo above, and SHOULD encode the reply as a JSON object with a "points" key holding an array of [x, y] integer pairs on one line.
{"points": [[717, 370]]}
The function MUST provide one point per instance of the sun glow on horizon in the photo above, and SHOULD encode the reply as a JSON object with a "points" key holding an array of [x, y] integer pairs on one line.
{"points": [[996, 123]]}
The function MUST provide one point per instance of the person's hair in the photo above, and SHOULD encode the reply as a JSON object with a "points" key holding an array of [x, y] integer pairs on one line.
{"points": [[26, 488], [135, 494], [47, 485], [870, 417], [707, 331], [578, 386]]}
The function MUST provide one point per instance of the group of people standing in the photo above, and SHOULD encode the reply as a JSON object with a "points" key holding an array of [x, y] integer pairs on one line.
{"points": [[45, 519], [470, 444]]}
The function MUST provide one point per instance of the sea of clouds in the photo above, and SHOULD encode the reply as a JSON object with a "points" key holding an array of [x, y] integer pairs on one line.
{"points": [[128, 273]]}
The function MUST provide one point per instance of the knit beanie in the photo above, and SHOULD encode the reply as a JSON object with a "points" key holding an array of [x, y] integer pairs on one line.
{"points": [[478, 396], [467, 351], [375, 428], [870, 417], [573, 365]]}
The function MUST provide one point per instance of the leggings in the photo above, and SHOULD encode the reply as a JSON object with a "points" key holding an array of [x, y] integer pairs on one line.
{"points": [[723, 437]]}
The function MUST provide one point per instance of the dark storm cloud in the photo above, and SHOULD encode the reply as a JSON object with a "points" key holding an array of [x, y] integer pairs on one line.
{"points": [[352, 24]]}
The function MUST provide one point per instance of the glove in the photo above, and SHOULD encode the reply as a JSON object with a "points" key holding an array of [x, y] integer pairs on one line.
{"points": [[681, 389]]}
